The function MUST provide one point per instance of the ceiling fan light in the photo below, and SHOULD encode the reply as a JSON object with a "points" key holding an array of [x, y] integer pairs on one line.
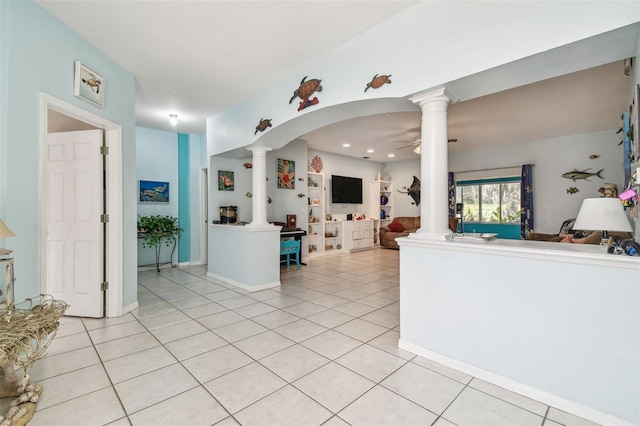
{"points": [[417, 149]]}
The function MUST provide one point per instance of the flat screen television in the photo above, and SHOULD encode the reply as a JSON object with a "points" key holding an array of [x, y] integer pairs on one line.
{"points": [[346, 190]]}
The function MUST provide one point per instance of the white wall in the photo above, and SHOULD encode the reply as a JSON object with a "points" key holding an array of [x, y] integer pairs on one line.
{"points": [[351, 167], [286, 201], [551, 157], [37, 54], [555, 322], [487, 35]]}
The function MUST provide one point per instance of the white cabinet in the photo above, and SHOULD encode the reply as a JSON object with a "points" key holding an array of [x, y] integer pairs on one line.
{"points": [[324, 236], [381, 204], [358, 235]]}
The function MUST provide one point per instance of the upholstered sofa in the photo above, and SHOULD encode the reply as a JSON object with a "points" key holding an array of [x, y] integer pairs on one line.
{"points": [[592, 238], [407, 225], [568, 235]]}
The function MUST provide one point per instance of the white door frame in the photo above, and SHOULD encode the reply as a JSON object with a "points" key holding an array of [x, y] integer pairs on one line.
{"points": [[114, 245], [204, 208]]}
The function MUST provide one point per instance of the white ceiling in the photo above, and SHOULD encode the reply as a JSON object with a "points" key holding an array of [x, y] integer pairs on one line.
{"points": [[196, 58]]}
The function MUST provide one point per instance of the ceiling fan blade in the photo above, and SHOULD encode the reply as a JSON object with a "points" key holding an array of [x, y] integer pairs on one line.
{"points": [[404, 147]]}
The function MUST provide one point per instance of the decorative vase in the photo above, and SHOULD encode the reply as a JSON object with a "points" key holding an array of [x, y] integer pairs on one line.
{"points": [[384, 200]]}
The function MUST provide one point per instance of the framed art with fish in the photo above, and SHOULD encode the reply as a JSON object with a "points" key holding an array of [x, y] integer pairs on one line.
{"points": [[153, 191], [89, 85]]}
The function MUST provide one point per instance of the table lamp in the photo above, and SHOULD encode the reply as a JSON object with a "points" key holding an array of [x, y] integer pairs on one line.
{"points": [[602, 214], [4, 233]]}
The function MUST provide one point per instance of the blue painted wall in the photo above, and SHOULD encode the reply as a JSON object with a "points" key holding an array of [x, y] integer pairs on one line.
{"points": [[184, 199], [37, 54], [157, 160]]}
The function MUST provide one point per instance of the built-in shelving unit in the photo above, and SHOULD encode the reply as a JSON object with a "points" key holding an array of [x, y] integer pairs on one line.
{"points": [[381, 205], [316, 199], [324, 236]]}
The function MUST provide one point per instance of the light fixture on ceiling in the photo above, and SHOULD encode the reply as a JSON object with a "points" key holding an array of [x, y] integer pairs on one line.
{"points": [[370, 151], [391, 155], [346, 145], [173, 119]]}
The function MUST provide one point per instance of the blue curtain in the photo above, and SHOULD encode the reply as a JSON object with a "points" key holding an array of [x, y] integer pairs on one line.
{"points": [[452, 196], [526, 201]]}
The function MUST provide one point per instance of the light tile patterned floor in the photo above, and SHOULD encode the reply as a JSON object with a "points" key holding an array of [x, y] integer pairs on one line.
{"points": [[319, 350]]}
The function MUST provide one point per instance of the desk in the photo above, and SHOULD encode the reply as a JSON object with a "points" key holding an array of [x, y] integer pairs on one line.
{"points": [[296, 234]]}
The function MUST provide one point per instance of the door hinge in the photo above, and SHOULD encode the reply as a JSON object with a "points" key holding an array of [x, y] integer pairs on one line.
{"points": [[104, 150], [104, 218], [104, 286]]}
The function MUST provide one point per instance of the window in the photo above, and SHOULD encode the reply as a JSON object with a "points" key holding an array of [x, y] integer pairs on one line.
{"points": [[490, 200]]}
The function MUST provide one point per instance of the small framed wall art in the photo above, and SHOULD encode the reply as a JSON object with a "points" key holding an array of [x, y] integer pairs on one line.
{"points": [[89, 85], [225, 180], [153, 191], [286, 174]]}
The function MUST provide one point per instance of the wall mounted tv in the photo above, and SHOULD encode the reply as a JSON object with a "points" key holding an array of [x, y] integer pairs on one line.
{"points": [[346, 190]]}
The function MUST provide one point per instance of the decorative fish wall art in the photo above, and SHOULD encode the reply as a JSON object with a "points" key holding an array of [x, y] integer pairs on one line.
{"points": [[378, 81], [593, 156], [572, 190], [413, 191], [304, 92], [576, 174]]}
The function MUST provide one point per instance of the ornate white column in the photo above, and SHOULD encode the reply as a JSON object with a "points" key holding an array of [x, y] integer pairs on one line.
{"points": [[259, 190], [434, 165]]}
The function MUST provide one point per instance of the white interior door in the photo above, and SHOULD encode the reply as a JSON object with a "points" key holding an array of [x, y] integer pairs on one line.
{"points": [[74, 197]]}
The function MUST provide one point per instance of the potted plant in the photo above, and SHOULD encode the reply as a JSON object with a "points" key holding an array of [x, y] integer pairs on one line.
{"points": [[156, 230]]}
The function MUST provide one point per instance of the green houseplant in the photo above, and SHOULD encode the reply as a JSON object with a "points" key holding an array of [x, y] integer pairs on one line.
{"points": [[156, 230]]}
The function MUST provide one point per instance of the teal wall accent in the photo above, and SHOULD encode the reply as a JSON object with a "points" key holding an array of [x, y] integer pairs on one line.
{"points": [[37, 54], [184, 206], [509, 231]]}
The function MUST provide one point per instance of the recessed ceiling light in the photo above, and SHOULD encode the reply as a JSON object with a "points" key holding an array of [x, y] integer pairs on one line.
{"points": [[391, 155], [346, 145], [370, 151]]}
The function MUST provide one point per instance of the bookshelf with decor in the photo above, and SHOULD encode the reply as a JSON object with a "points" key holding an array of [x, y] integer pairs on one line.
{"points": [[315, 201], [381, 205]]}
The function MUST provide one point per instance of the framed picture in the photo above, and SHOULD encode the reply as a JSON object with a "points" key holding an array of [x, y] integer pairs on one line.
{"points": [[291, 221], [286, 174], [89, 85], [327, 217], [225, 180], [153, 191]]}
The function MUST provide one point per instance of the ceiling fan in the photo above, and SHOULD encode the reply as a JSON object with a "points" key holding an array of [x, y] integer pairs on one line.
{"points": [[417, 144]]}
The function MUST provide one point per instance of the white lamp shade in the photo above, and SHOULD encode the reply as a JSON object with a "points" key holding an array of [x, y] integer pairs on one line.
{"points": [[602, 214], [5, 231]]}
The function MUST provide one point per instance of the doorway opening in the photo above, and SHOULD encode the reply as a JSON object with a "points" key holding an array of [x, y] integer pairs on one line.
{"points": [[57, 111]]}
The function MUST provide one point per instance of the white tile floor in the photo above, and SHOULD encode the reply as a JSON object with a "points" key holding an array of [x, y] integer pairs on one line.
{"points": [[319, 350]]}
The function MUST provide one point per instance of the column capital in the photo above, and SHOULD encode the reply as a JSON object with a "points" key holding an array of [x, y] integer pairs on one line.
{"points": [[437, 95], [259, 150]]}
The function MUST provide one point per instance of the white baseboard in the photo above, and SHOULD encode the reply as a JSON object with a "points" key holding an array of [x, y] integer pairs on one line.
{"points": [[536, 394], [244, 286], [129, 308]]}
